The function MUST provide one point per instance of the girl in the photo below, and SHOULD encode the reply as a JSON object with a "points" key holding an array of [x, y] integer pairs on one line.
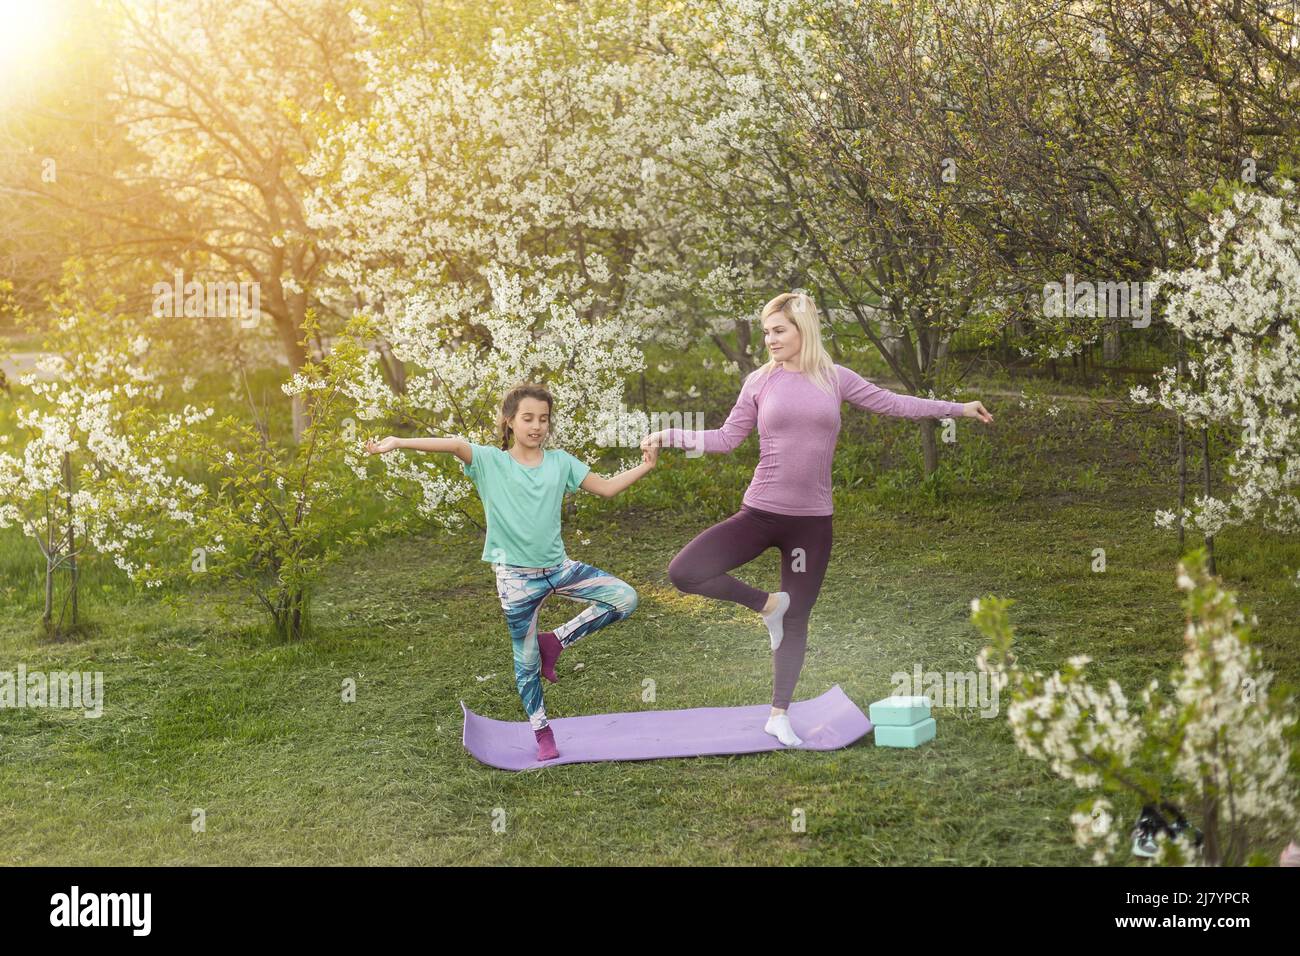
{"points": [[521, 486], [795, 400]]}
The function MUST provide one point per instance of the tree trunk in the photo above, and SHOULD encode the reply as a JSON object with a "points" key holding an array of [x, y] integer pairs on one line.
{"points": [[47, 619], [295, 617], [929, 447], [288, 326], [836, 353], [1182, 482], [1205, 472], [1110, 343], [72, 538], [743, 334], [1182, 454], [740, 355], [893, 339], [393, 368], [289, 617], [1210, 827]]}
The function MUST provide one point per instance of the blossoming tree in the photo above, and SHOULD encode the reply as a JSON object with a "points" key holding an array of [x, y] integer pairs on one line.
{"points": [[1239, 309], [1217, 740], [502, 217], [93, 475]]}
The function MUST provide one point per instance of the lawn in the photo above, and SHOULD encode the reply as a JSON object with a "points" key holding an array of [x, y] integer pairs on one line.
{"points": [[202, 712]]}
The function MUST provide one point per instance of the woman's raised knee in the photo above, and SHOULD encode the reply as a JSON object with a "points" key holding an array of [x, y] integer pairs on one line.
{"points": [[680, 577]]}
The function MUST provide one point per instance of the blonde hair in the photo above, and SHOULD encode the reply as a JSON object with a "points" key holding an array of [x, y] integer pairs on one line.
{"points": [[799, 309]]}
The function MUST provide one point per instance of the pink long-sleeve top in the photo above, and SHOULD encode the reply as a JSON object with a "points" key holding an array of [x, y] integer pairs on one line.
{"points": [[798, 425]]}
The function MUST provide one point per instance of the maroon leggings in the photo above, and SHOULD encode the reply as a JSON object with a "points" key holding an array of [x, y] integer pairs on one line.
{"points": [[701, 568]]}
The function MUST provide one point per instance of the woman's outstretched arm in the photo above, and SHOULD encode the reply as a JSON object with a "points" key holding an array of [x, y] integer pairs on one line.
{"points": [[734, 430], [857, 391]]}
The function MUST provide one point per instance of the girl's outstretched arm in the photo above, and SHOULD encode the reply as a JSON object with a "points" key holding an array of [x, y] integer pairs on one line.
{"points": [[609, 487], [457, 446]]}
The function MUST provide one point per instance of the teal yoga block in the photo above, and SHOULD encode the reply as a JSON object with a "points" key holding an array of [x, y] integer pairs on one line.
{"points": [[899, 711], [913, 736]]}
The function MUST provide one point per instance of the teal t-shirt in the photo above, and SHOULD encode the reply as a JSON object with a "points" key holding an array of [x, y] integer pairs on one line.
{"points": [[522, 504]]}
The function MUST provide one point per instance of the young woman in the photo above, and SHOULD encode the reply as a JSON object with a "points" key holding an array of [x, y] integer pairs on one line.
{"points": [[522, 485], [795, 401]]}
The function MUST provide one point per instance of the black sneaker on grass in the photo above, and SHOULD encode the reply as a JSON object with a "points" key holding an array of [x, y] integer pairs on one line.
{"points": [[1150, 824]]}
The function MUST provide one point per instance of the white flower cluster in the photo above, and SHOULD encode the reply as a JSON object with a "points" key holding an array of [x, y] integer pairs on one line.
{"points": [[1240, 309], [1068, 721]]}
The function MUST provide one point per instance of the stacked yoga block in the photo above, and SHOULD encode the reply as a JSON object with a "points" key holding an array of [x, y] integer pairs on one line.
{"points": [[902, 721]]}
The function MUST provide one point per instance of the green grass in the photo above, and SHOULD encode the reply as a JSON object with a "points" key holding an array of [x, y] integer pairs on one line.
{"points": [[203, 712]]}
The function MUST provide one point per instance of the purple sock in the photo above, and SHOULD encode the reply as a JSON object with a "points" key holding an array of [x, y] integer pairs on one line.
{"points": [[550, 647], [546, 749]]}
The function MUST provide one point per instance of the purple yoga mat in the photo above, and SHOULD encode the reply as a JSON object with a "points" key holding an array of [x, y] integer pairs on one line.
{"points": [[827, 722]]}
